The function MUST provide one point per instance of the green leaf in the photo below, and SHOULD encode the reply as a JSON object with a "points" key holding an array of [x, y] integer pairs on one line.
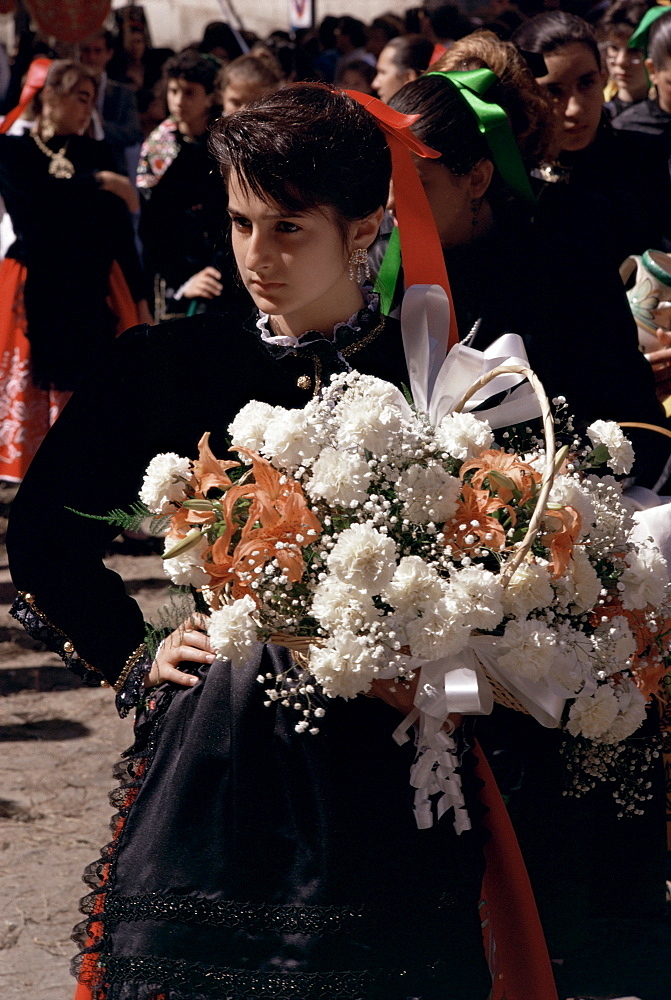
{"points": [[599, 456], [126, 520]]}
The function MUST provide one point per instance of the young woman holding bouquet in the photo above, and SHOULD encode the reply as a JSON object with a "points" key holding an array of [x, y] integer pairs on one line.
{"points": [[248, 860]]}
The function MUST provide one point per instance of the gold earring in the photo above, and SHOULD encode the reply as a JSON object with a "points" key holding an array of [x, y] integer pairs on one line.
{"points": [[652, 92], [358, 265]]}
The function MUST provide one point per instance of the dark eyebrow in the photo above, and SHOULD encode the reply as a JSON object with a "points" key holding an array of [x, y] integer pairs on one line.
{"points": [[277, 218]]}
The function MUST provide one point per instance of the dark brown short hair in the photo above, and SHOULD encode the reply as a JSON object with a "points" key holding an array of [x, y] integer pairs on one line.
{"points": [[307, 146]]}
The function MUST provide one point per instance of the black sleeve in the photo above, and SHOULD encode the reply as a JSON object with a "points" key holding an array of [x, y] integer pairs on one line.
{"points": [[138, 404]]}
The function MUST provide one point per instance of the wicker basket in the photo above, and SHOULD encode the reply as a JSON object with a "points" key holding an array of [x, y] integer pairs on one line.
{"points": [[299, 645]]}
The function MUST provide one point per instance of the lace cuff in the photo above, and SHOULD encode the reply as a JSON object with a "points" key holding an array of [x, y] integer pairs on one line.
{"points": [[37, 625], [130, 685]]}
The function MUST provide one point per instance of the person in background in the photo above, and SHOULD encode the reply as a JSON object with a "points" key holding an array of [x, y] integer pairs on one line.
{"points": [[219, 40], [443, 24], [609, 187], [247, 78], [381, 31], [357, 75], [652, 116], [182, 217], [628, 80], [71, 279], [116, 119], [350, 38], [403, 59]]}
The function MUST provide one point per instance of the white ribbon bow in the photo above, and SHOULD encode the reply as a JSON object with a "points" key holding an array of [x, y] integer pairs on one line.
{"points": [[438, 380], [458, 684]]}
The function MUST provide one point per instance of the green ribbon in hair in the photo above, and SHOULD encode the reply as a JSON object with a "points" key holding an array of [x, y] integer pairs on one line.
{"points": [[494, 127], [639, 40]]}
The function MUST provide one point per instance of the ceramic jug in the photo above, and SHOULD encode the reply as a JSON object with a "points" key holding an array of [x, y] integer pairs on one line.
{"points": [[650, 298]]}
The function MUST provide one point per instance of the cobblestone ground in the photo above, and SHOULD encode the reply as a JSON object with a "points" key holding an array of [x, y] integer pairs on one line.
{"points": [[58, 742]]}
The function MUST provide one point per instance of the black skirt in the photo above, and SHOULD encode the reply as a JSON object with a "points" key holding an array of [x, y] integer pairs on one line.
{"points": [[251, 861]]}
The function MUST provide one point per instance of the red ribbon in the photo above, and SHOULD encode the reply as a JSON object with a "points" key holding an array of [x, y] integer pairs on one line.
{"points": [[423, 262], [35, 80]]}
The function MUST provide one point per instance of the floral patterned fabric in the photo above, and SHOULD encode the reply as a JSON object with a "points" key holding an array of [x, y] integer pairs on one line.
{"points": [[158, 152]]}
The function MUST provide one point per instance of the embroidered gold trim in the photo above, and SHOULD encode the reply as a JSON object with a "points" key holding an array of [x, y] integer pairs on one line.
{"points": [[132, 661], [68, 645]]}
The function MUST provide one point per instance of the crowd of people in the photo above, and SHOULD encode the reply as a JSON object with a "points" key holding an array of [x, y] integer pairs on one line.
{"points": [[552, 142]]}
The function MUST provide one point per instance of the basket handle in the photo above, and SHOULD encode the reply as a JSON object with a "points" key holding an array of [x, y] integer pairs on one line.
{"points": [[548, 472]]}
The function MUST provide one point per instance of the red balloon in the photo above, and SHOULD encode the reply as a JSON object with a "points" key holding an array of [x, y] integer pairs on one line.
{"points": [[69, 20]]}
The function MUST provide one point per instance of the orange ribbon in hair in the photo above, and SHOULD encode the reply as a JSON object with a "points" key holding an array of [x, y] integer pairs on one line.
{"points": [[35, 80], [422, 254]]}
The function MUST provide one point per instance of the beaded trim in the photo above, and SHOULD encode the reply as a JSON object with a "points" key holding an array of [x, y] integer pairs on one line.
{"points": [[132, 661], [37, 625], [252, 918], [241, 984]]}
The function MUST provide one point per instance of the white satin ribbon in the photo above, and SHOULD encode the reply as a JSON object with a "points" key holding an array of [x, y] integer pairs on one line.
{"points": [[438, 380]]}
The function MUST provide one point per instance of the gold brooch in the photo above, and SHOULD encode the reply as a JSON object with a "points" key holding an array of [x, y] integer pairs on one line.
{"points": [[304, 382]]}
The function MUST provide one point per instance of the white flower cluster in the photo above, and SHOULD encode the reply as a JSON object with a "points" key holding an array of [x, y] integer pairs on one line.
{"points": [[410, 565], [164, 482]]}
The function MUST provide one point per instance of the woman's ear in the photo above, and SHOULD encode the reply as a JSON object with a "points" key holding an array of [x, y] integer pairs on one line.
{"points": [[409, 75], [480, 177], [650, 69], [365, 230]]}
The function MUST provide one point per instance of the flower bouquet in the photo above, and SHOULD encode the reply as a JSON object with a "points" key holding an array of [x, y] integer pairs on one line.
{"points": [[379, 543]]}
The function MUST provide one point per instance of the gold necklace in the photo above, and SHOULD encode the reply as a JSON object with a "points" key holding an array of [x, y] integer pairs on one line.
{"points": [[60, 167]]}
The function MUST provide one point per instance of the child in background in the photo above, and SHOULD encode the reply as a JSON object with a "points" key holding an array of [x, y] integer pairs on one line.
{"points": [[182, 216], [653, 115], [247, 78], [628, 80]]}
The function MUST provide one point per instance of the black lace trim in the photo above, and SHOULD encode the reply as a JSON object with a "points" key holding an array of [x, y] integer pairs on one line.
{"points": [[240, 984], [40, 628], [132, 691], [249, 917]]}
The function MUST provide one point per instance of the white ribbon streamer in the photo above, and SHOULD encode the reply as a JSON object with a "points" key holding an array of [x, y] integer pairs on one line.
{"points": [[458, 684]]}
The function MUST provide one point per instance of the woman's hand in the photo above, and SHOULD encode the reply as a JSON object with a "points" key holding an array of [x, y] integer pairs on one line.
{"points": [[189, 643], [120, 186], [401, 696], [203, 285]]}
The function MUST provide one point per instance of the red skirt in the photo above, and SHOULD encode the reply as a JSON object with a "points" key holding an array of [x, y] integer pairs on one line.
{"points": [[27, 412]]}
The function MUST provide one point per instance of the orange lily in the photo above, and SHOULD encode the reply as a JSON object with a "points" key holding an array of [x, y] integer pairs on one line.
{"points": [[473, 518], [523, 476], [563, 538], [209, 472]]}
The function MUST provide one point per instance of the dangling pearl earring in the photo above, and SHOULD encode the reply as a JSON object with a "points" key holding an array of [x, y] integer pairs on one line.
{"points": [[358, 264]]}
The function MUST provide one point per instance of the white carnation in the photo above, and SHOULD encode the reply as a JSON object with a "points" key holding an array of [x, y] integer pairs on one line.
{"points": [[428, 494], [463, 436], [644, 578], [248, 428], [592, 715], [339, 477], [477, 596], [572, 662], [335, 604], [232, 630], [163, 482], [364, 558], [288, 441], [186, 569], [371, 423], [586, 581], [631, 712], [440, 631], [415, 587], [529, 588], [607, 432], [530, 649], [569, 492], [344, 668]]}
